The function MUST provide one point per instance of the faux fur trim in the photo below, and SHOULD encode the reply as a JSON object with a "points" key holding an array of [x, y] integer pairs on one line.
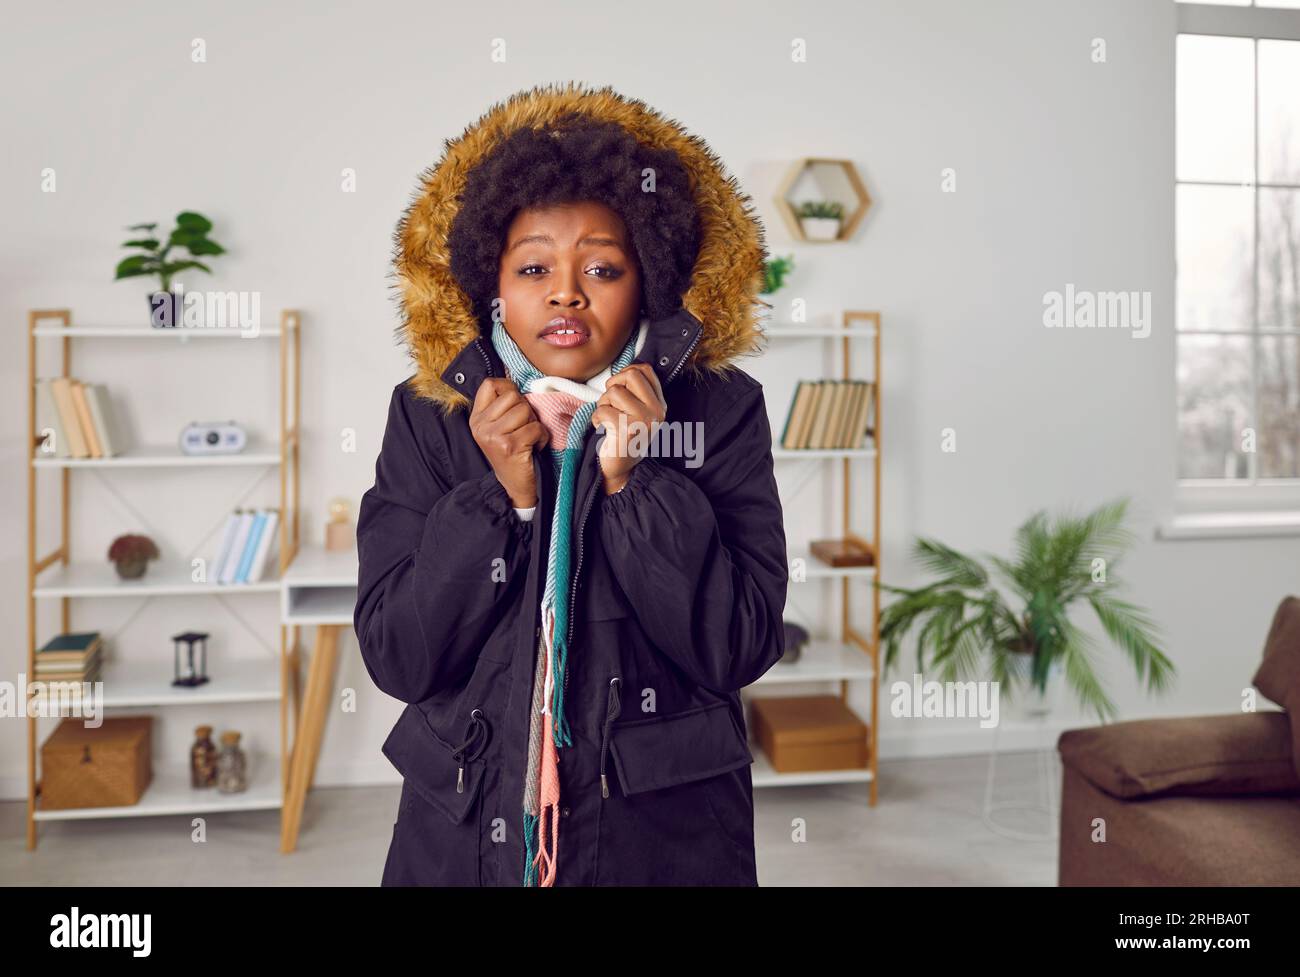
{"points": [[437, 320]]}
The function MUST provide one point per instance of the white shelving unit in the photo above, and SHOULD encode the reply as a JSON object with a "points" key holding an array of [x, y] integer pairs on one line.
{"points": [[855, 657], [140, 685]]}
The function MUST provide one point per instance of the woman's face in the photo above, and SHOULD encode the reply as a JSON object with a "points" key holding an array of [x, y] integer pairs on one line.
{"points": [[572, 263]]}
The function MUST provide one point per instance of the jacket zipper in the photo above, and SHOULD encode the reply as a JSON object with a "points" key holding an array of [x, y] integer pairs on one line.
{"points": [[612, 709], [582, 523], [682, 362], [487, 362]]}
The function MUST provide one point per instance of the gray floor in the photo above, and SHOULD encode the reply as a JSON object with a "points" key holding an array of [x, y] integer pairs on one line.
{"points": [[926, 829]]}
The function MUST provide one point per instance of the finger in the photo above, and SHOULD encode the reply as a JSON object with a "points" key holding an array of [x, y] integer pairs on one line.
{"points": [[486, 393], [642, 380], [626, 401], [512, 419], [537, 433], [532, 435], [506, 400], [607, 416]]}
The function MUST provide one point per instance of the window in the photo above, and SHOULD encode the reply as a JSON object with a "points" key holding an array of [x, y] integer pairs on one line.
{"points": [[1237, 238]]}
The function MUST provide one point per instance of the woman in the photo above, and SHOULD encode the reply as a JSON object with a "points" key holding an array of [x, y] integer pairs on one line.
{"points": [[573, 556]]}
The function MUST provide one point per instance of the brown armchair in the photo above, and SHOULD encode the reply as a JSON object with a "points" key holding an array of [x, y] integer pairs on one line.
{"points": [[1206, 800]]}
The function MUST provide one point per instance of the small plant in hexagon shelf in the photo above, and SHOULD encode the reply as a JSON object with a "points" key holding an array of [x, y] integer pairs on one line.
{"points": [[821, 219], [131, 554]]}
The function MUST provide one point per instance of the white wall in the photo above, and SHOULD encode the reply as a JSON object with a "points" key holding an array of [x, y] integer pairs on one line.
{"points": [[1064, 170]]}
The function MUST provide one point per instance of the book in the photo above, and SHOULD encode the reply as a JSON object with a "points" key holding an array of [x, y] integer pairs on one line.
{"points": [[862, 422], [72, 643], [250, 547], [231, 566], [101, 415], [61, 388], [257, 570], [228, 533], [84, 418], [831, 438], [798, 408], [48, 420], [818, 429], [851, 415], [801, 435], [828, 415], [44, 668]]}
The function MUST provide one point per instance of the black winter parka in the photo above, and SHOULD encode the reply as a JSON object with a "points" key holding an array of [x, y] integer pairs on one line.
{"points": [[678, 588]]}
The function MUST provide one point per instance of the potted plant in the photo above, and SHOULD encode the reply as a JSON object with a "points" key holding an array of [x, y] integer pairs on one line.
{"points": [[1058, 562], [820, 219], [131, 555], [190, 233], [774, 272]]}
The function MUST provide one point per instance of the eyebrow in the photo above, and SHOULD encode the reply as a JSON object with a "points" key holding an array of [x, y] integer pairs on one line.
{"points": [[547, 239]]}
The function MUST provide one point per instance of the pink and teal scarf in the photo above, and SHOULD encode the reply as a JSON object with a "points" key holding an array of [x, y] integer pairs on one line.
{"points": [[564, 407]]}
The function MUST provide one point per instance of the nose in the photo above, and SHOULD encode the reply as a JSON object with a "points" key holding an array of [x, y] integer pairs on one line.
{"points": [[568, 291]]}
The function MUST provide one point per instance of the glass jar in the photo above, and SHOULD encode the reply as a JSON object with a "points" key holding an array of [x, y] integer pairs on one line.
{"points": [[232, 766], [203, 758]]}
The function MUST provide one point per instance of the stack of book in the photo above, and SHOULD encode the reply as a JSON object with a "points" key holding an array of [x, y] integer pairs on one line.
{"points": [[70, 658], [246, 545], [829, 414], [78, 419]]}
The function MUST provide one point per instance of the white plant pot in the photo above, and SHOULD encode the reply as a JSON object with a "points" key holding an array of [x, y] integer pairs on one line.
{"points": [[1036, 704], [820, 228]]}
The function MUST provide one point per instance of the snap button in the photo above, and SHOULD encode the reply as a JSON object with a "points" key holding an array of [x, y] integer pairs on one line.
{"points": [[685, 331], [564, 812], [663, 361], [460, 378]]}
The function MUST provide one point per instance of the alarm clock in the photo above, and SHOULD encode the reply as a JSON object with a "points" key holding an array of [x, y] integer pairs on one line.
{"points": [[213, 438]]}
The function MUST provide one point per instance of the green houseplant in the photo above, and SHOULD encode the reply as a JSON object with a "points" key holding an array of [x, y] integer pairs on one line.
{"points": [[820, 219], [1058, 562], [774, 272], [191, 234]]}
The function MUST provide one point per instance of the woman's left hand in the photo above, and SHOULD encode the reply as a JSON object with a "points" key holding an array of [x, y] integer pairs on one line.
{"points": [[631, 410]]}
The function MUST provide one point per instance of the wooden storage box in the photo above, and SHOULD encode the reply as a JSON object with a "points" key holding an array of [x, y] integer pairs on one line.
{"points": [[105, 766], [809, 732]]}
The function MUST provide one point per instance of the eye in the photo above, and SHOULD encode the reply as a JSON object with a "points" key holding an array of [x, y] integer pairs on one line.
{"points": [[524, 270], [608, 271]]}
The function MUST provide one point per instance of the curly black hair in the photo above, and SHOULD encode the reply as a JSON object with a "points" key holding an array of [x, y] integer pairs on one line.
{"points": [[576, 159]]}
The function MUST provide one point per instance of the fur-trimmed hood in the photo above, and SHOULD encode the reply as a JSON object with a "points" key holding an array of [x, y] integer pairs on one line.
{"points": [[437, 317]]}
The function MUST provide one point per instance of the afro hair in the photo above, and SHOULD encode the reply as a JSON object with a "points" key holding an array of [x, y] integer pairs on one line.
{"points": [[575, 159]]}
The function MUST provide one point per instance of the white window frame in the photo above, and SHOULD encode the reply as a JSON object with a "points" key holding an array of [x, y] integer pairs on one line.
{"points": [[1247, 506]]}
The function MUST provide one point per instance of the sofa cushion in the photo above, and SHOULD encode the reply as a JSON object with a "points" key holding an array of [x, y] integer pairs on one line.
{"points": [[1278, 675], [1246, 840], [1237, 753]]}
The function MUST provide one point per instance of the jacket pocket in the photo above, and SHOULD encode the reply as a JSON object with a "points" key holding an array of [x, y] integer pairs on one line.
{"points": [[664, 751], [445, 778]]}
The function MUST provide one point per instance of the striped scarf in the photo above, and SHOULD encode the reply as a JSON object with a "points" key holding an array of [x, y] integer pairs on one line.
{"points": [[564, 407]]}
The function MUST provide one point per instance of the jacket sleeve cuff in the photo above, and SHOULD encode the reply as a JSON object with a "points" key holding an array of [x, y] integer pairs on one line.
{"points": [[643, 475], [489, 497]]}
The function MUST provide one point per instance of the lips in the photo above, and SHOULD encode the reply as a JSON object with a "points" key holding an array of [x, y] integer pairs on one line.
{"points": [[565, 332]]}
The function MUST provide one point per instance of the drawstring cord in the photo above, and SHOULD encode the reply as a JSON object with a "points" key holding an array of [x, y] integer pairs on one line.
{"points": [[612, 709], [478, 725]]}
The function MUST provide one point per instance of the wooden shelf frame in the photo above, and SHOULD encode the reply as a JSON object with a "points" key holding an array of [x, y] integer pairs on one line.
{"points": [[286, 456], [855, 325]]}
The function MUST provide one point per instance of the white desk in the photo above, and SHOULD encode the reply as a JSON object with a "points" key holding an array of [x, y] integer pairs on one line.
{"points": [[319, 589]]}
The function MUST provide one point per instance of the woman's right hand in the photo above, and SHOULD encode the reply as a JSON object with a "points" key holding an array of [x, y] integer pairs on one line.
{"points": [[507, 431]]}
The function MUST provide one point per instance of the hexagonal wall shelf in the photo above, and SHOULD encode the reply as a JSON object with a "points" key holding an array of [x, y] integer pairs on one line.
{"points": [[818, 178]]}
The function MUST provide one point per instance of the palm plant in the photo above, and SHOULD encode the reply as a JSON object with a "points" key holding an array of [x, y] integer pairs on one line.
{"points": [[1058, 562]]}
